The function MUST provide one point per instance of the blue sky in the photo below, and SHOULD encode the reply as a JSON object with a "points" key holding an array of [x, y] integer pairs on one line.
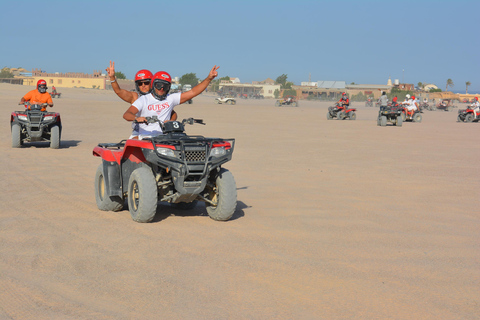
{"points": [[355, 41]]}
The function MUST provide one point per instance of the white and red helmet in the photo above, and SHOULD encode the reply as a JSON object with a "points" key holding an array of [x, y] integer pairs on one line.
{"points": [[140, 76], [42, 86], [161, 80]]}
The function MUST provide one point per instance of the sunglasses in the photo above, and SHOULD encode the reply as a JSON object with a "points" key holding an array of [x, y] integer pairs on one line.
{"points": [[143, 83]]}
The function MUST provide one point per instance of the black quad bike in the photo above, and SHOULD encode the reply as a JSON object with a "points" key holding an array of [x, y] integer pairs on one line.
{"points": [[35, 124], [173, 167], [391, 114]]}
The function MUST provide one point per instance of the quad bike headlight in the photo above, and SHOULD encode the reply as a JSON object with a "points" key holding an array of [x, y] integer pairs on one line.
{"points": [[166, 152], [24, 118], [218, 152], [47, 118]]}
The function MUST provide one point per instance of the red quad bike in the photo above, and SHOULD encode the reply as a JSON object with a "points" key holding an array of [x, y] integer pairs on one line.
{"points": [[412, 115], [341, 112], [173, 167], [55, 95], [468, 115], [369, 102], [33, 124]]}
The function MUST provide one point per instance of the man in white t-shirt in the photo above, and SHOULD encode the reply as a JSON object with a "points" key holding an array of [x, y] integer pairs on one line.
{"points": [[159, 103], [475, 106]]}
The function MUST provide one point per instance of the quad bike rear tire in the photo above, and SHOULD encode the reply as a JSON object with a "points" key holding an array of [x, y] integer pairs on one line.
{"points": [[142, 195], [399, 121], [383, 121], [294, 104], [104, 202], [469, 118], [404, 116], [277, 103], [224, 194], [352, 115], [55, 137], [329, 116], [378, 121], [417, 117], [16, 136], [234, 102]]}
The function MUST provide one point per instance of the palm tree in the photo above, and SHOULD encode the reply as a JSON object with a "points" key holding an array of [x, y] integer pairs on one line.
{"points": [[468, 84], [449, 84]]}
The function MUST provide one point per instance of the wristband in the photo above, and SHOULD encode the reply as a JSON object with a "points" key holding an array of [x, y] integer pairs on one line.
{"points": [[113, 80]]}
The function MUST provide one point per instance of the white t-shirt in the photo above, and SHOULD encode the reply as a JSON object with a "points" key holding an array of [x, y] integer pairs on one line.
{"points": [[149, 106]]}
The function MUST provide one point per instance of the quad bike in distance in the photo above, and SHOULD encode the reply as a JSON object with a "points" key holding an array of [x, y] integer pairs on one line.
{"points": [[226, 100], [35, 124], [341, 112], [369, 102], [411, 115], [172, 167], [446, 105], [391, 113], [468, 115], [55, 94], [287, 101]]}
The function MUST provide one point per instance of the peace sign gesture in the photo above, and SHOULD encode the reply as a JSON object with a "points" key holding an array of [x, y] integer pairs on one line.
{"points": [[213, 73], [111, 70]]}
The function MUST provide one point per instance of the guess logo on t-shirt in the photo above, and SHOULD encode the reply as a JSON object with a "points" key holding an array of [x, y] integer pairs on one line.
{"points": [[158, 107]]}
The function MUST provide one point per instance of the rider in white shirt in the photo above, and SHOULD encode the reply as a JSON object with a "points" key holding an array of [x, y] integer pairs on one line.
{"points": [[159, 103]]}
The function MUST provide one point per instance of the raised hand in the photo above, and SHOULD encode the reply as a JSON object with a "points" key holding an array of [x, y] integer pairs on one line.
{"points": [[213, 73], [111, 70]]}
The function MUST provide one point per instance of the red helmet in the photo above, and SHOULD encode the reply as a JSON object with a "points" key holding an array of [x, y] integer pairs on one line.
{"points": [[143, 75], [395, 99], [413, 97], [42, 86], [476, 98], [161, 79], [344, 94]]}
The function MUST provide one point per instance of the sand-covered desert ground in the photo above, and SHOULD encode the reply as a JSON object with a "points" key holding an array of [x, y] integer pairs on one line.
{"points": [[334, 220]]}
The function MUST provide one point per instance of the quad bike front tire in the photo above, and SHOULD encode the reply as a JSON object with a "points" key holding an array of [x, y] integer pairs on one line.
{"points": [[329, 116], [340, 115], [277, 103], [16, 136], [234, 102], [469, 118], [104, 202], [294, 104], [55, 137], [142, 195], [352, 115], [383, 121], [459, 119], [378, 121], [224, 195], [404, 116], [417, 118]]}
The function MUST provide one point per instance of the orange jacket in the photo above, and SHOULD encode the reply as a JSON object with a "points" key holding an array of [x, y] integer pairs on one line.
{"points": [[36, 97]]}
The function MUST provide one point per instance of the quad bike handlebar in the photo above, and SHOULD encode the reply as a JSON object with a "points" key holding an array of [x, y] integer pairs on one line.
{"points": [[154, 119]]}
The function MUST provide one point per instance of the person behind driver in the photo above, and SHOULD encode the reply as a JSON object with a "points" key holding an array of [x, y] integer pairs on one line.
{"points": [[38, 95], [160, 104], [143, 86]]}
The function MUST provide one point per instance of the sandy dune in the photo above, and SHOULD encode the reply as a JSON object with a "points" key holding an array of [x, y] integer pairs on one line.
{"points": [[335, 220]]}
